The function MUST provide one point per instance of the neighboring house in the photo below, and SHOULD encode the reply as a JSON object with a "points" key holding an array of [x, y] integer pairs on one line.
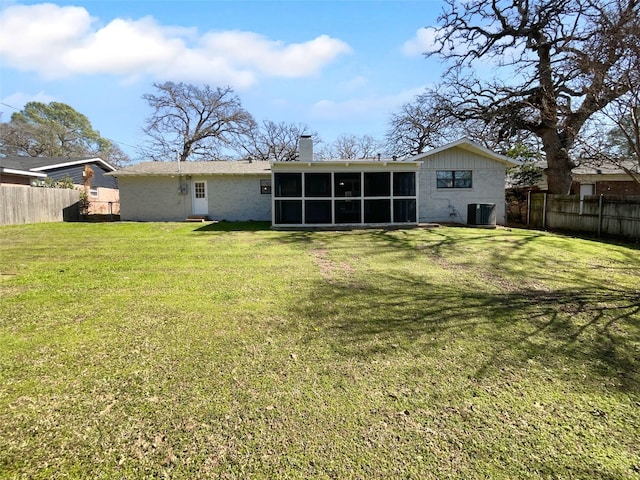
{"points": [[86, 173], [437, 186], [596, 180], [604, 180]]}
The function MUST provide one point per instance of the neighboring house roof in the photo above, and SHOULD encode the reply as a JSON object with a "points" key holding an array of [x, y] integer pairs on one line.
{"points": [[604, 169], [466, 144], [42, 164], [59, 168], [233, 167]]}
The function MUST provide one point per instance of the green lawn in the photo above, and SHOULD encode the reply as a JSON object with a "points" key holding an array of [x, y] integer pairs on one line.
{"points": [[233, 351]]}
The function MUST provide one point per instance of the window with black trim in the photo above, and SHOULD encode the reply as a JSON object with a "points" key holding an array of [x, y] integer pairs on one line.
{"points": [[377, 211], [453, 179], [348, 211], [317, 211], [317, 184], [404, 184], [404, 210], [288, 184], [347, 184], [265, 187], [288, 211], [377, 184]]}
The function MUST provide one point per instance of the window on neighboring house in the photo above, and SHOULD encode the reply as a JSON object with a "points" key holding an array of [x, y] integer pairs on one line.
{"points": [[93, 191], [453, 179], [265, 187]]}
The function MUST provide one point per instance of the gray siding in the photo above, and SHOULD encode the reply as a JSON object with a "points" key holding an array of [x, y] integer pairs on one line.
{"points": [[75, 173]]}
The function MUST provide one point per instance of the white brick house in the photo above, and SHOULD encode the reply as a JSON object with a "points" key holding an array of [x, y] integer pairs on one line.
{"points": [[437, 186], [171, 191]]}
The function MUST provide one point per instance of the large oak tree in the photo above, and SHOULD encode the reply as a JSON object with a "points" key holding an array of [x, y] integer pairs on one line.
{"points": [[55, 129], [555, 63]]}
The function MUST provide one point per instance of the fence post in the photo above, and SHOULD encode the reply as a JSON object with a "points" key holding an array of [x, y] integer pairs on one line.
{"points": [[544, 211], [600, 215], [528, 207]]}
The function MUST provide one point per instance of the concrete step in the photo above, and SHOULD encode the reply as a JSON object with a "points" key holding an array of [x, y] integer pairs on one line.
{"points": [[197, 218]]}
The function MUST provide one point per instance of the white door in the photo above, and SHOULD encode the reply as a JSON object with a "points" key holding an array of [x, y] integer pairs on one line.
{"points": [[585, 189], [200, 201]]}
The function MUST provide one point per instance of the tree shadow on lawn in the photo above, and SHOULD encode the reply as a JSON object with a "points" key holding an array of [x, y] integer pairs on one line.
{"points": [[598, 329], [224, 226]]}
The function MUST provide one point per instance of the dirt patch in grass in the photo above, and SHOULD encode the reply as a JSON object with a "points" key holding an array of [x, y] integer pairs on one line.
{"points": [[333, 272]]}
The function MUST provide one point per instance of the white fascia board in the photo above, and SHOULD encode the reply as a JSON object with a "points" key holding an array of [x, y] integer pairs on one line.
{"points": [[75, 162], [25, 173], [345, 165]]}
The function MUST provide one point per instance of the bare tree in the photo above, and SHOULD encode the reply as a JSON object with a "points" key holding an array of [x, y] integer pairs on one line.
{"points": [[275, 141], [348, 146], [623, 146], [114, 155], [611, 138], [432, 120], [558, 62], [421, 125], [193, 122]]}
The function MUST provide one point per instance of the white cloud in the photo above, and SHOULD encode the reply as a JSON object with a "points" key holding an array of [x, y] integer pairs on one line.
{"points": [[366, 107], [423, 42], [275, 58], [16, 101], [58, 42], [356, 83]]}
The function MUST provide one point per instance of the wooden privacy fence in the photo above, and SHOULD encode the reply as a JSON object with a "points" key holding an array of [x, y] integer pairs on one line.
{"points": [[610, 215], [20, 204]]}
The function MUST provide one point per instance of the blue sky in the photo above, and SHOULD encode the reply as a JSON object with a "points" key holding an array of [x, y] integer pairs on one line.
{"points": [[337, 66]]}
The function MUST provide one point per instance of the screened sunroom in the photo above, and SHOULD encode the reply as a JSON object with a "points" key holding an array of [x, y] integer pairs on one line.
{"points": [[344, 193]]}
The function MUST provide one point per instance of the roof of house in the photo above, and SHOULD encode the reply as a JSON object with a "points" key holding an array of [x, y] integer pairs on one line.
{"points": [[229, 167], [42, 164], [605, 169], [602, 169], [466, 144], [257, 167]]}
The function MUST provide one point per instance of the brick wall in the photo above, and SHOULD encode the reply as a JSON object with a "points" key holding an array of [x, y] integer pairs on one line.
{"points": [[618, 188]]}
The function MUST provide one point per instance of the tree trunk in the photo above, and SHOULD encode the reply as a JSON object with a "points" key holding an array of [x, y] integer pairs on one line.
{"points": [[559, 165]]}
